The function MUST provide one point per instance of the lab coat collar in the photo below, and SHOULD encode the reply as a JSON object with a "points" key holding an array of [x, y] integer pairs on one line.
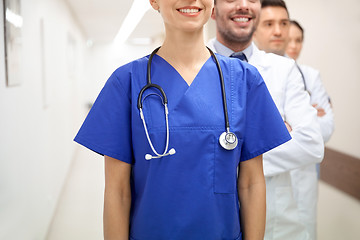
{"points": [[258, 58]]}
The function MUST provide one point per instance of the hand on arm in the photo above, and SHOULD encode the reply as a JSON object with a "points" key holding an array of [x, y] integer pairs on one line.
{"points": [[288, 126], [325, 113], [117, 199], [320, 111], [252, 197]]}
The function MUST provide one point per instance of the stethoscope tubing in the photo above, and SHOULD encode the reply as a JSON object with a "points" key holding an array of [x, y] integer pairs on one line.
{"points": [[227, 123], [223, 137], [149, 85]]}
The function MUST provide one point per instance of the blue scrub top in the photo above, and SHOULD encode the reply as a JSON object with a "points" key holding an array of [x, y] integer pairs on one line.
{"points": [[192, 194]]}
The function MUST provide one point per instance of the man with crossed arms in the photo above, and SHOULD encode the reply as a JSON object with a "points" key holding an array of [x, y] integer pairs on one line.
{"points": [[236, 22]]}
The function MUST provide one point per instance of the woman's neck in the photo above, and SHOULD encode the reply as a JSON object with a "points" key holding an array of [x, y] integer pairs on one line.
{"points": [[184, 48], [186, 52]]}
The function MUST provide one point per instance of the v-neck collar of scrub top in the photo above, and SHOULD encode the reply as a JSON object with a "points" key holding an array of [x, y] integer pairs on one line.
{"points": [[176, 88], [175, 70]]}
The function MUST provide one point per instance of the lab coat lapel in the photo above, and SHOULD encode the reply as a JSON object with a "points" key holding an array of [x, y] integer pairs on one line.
{"points": [[257, 59]]}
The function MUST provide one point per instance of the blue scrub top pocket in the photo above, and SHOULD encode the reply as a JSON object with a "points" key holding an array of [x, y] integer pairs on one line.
{"points": [[225, 168]]}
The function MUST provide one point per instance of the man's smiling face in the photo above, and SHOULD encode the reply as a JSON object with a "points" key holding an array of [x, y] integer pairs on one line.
{"points": [[236, 20]]}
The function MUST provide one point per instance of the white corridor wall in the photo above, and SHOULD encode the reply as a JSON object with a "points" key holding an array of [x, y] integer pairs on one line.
{"points": [[38, 119]]}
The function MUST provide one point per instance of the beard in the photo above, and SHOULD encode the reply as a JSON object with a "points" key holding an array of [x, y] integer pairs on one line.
{"points": [[235, 36], [231, 37]]}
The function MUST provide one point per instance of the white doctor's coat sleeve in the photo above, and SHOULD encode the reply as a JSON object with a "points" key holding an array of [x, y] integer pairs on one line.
{"points": [[306, 146], [320, 97]]}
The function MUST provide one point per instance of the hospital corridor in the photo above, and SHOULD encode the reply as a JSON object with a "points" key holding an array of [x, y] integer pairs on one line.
{"points": [[57, 55], [79, 211]]}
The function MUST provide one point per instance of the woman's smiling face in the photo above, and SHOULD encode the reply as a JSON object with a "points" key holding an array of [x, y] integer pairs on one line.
{"points": [[184, 15]]}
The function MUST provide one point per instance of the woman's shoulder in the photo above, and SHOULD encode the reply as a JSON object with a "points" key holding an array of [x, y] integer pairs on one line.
{"points": [[123, 74], [240, 70], [130, 67]]}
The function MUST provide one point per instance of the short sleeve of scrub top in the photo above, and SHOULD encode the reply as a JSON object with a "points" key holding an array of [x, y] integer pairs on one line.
{"points": [[106, 130], [192, 194], [261, 124]]}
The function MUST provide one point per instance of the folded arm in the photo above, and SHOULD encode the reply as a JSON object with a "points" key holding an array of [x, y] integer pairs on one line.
{"points": [[306, 146], [320, 97]]}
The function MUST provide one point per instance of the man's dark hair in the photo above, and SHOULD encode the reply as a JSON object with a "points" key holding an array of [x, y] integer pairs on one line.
{"points": [[295, 23], [274, 3]]}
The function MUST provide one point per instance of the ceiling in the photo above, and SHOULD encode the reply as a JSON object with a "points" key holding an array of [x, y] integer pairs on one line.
{"points": [[100, 20]]}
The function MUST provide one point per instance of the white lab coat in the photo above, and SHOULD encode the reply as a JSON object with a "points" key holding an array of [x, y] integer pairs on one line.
{"points": [[305, 188], [305, 179], [319, 96], [306, 146]]}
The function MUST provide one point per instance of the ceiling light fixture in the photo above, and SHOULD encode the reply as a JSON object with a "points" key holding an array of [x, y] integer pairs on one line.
{"points": [[14, 18], [136, 13]]}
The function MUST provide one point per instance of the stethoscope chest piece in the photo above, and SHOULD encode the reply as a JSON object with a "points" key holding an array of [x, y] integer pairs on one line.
{"points": [[228, 140]]}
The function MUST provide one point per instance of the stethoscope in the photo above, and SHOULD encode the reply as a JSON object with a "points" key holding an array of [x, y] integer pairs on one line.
{"points": [[227, 139]]}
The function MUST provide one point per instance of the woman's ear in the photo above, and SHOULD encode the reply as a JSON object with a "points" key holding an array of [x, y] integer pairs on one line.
{"points": [[154, 4], [213, 14]]}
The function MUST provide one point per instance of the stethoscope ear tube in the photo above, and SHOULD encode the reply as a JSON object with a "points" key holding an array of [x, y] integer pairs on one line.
{"points": [[165, 153]]}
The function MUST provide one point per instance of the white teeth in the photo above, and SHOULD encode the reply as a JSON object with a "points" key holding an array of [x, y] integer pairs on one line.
{"points": [[241, 19], [192, 10]]}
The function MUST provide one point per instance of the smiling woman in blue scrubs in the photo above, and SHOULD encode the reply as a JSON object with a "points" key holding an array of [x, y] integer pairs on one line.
{"points": [[197, 192]]}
